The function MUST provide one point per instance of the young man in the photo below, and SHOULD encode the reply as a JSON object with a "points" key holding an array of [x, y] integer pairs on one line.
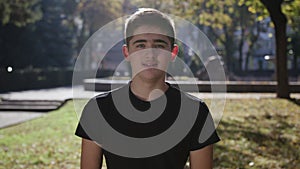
{"points": [[149, 49]]}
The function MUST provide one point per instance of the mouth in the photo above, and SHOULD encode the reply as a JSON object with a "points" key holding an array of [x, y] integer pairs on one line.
{"points": [[149, 65]]}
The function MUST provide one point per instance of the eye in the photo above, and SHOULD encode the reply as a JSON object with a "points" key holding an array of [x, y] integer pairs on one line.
{"points": [[161, 46], [140, 46]]}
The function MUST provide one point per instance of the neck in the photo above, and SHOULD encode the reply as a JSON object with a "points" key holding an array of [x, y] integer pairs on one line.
{"points": [[148, 90]]}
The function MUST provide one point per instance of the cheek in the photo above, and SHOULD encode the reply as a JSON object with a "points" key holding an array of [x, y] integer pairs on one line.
{"points": [[163, 62], [135, 61], [135, 57], [164, 57]]}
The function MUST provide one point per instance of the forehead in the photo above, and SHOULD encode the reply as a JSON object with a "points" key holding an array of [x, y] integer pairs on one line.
{"points": [[146, 29], [149, 33]]}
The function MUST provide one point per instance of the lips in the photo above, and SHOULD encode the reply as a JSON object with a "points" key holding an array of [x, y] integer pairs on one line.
{"points": [[149, 65]]}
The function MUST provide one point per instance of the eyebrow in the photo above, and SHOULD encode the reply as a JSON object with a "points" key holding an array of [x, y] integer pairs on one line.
{"points": [[139, 41], [160, 41], [155, 40]]}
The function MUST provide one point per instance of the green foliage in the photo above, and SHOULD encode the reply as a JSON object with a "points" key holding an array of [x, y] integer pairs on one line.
{"points": [[97, 13], [226, 17], [255, 7], [292, 11], [290, 8], [166, 6], [19, 12], [93, 14], [223, 20], [48, 42], [216, 14]]}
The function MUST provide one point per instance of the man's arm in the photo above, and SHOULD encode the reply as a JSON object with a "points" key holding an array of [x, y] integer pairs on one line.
{"points": [[202, 158], [91, 155]]}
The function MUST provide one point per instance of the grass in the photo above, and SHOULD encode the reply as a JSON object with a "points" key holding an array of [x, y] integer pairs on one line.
{"points": [[46, 142], [255, 133], [259, 134]]}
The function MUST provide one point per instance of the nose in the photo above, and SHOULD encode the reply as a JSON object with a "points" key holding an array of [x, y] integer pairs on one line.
{"points": [[151, 53]]}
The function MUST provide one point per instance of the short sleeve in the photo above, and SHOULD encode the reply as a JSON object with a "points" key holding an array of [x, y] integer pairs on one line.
{"points": [[83, 128], [204, 131], [81, 133]]}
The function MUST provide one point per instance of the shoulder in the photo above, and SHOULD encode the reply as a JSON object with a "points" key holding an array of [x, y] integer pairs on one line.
{"points": [[108, 94], [102, 96], [105, 98], [185, 96]]}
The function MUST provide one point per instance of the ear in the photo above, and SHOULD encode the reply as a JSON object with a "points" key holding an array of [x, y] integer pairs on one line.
{"points": [[174, 52], [125, 52]]}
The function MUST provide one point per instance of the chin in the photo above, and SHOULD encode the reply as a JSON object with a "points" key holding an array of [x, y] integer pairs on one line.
{"points": [[151, 74]]}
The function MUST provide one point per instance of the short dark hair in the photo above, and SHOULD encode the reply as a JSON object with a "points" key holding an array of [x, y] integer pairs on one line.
{"points": [[152, 17]]}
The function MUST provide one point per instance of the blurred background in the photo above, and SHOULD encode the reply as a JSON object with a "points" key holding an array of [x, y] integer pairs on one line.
{"points": [[41, 39]]}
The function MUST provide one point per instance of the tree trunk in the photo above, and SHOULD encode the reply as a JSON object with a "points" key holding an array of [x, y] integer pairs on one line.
{"points": [[296, 52], [243, 9], [241, 44], [229, 50], [280, 22]]}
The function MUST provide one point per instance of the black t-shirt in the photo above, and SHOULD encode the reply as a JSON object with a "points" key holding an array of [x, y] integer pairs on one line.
{"points": [[194, 131]]}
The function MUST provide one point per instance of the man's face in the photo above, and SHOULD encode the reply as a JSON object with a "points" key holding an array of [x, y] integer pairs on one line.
{"points": [[149, 52]]}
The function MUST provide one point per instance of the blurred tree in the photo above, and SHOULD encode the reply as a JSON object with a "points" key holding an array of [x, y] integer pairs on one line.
{"points": [[291, 8], [48, 42], [292, 11], [226, 22], [20, 13], [281, 12], [295, 51], [92, 14], [163, 5], [250, 29], [55, 34], [13, 15]]}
